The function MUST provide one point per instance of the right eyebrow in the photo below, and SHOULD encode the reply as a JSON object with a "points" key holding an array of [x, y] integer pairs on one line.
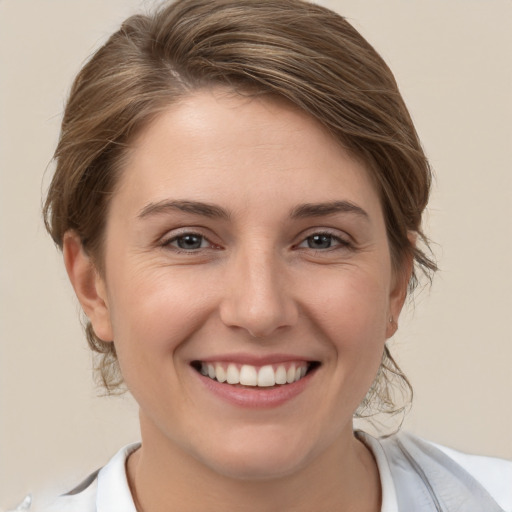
{"points": [[195, 207], [330, 208]]}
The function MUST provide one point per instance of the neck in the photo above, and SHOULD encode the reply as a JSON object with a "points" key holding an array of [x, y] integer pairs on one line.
{"points": [[163, 477]]}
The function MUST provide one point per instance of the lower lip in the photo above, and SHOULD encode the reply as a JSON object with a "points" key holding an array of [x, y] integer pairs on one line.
{"points": [[256, 397]]}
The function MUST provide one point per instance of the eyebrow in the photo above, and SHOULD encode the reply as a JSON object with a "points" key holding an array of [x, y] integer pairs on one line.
{"points": [[213, 211], [195, 207], [330, 208]]}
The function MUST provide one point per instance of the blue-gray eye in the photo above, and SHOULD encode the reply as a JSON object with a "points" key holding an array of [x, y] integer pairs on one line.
{"points": [[189, 242], [320, 241]]}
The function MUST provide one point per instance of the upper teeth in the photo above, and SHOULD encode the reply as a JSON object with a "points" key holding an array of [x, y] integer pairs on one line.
{"points": [[248, 375]]}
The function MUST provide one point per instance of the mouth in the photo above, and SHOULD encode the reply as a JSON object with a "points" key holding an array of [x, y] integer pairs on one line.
{"points": [[250, 376]]}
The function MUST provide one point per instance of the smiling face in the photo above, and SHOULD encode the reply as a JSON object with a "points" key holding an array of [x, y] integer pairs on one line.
{"points": [[243, 244]]}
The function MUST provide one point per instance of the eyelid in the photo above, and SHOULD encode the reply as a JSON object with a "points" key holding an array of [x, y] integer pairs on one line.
{"points": [[343, 236], [171, 236], [176, 239], [338, 242]]}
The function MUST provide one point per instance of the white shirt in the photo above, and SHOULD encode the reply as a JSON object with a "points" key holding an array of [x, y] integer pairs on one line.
{"points": [[110, 491], [495, 475]]}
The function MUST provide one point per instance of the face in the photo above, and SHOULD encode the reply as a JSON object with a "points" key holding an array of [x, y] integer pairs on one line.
{"points": [[247, 285]]}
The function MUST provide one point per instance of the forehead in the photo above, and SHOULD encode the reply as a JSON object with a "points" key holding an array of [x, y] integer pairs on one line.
{"points": [[218, 142]]}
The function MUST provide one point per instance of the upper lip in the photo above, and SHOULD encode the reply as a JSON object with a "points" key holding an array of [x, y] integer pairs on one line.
{"points": [[254, 360]]}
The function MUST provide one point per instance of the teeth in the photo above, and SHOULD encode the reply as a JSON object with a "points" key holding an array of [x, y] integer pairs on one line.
{"points": [[220, 373], [281, 375], [248, 375], [232, 375], [266, 377]]}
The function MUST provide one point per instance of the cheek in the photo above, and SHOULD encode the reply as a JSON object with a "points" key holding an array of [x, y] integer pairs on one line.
{"points": [[352, 316], [154, 312], [352, 309]]}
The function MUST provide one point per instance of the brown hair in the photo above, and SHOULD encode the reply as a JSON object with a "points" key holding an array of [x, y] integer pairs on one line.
{"points": [[298, 51]]}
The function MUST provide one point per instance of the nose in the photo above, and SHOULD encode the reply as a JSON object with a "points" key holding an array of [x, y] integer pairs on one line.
{"points": [[257, 295]]}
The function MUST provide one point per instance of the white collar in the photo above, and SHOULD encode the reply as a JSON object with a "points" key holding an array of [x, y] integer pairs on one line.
{"points": [[114, 494], [389, 499]]}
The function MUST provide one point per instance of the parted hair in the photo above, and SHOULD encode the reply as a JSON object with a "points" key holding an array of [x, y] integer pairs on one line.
{"points": [[298, 51]]}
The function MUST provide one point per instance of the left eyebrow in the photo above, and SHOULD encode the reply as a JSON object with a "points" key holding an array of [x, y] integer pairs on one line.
{"points": [[330, 208], [195, 207]]}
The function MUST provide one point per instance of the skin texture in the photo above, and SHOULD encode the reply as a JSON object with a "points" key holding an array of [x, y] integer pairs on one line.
{"points": [[256, 285]]}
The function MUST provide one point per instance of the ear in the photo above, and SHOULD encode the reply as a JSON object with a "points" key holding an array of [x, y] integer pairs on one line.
{"points": [[398, 292], [89, 286]]}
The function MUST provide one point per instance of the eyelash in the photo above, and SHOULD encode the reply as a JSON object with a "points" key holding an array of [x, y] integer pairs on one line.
{"points": [[340, 243], [168, 243]]}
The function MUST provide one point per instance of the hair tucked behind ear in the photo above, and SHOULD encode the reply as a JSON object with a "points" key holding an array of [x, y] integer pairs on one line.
{"points": [[298, 51], [107, 371], [390, 396]]}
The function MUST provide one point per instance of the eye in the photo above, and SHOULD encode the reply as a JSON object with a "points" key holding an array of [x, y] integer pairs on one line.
{"points": [[188, 242], [322, 241], [319, 241]]}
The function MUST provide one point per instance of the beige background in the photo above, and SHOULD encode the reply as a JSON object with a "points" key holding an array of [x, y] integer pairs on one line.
{"points": [[452, 59]]}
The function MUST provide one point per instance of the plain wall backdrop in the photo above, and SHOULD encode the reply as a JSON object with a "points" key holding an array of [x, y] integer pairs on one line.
{"points": [[452, 60]]}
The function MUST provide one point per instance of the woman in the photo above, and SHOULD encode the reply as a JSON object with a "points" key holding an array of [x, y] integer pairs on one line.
{"points": [[238, 197]]}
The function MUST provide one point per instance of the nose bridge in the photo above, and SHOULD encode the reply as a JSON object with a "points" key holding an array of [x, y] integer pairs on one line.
{"points": [[258, 297]]}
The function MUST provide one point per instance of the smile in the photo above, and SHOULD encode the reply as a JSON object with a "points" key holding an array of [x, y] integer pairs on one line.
{"points": [[254, 376]]}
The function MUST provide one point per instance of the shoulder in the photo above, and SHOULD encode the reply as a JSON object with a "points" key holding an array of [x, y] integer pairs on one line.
{"points": [[449, 472], [83, 501], [99, 491], [494, 474]]}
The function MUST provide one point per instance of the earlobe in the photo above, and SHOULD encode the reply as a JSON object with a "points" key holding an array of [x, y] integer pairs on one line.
{"points": [[398, 294], [89, 286]]}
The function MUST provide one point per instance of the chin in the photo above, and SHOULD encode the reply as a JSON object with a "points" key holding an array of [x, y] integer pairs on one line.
{"points": [[260, 456], [257, 467]]}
